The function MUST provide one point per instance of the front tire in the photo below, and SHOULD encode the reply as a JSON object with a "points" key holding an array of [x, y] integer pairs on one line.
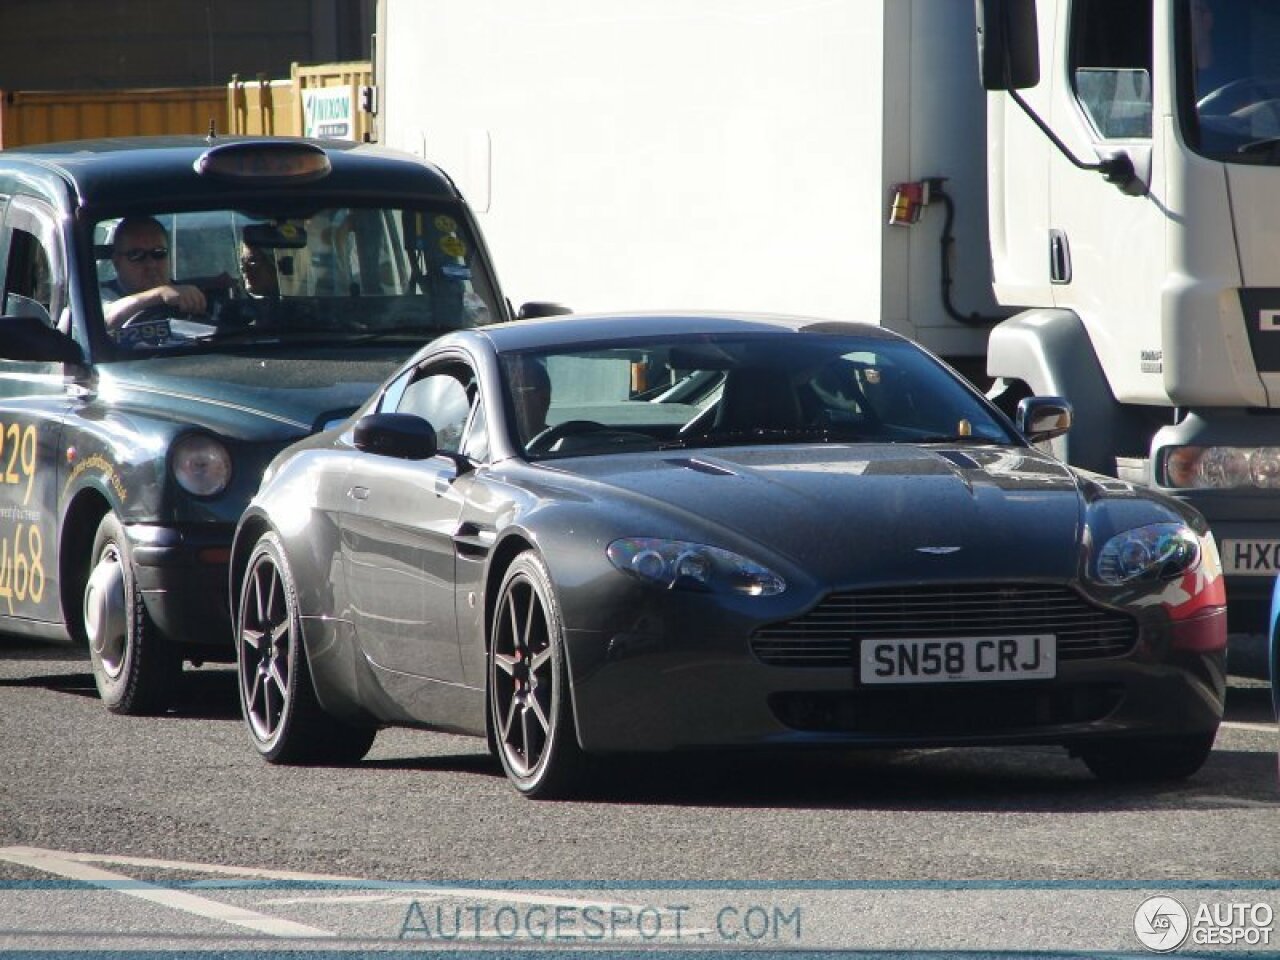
{"points": [[531, 711], [1148, 759], [278, 700], [134, 668]]}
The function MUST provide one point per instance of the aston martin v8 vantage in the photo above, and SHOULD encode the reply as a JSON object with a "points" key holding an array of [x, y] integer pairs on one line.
{"points": [[601, 535]]}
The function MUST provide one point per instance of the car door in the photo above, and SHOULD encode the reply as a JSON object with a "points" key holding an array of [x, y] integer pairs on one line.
{"points": [[33, 407], [398, 542]]}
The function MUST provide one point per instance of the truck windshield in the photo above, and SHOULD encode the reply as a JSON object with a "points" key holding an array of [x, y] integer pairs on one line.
{"points": [[186, 279], [1232, 70]]}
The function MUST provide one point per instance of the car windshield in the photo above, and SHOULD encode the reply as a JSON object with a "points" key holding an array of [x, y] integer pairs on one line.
{"points": [[192, 280], [717, 390], [1230, 55]]}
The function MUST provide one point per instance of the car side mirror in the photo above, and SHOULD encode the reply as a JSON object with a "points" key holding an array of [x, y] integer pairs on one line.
{"points": [[541, 308], [31, 339], [1043, 418], [400, 435]]}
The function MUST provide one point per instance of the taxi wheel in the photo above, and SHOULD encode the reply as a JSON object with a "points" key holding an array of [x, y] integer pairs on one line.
{"points": [[531, 713], [135, 671], [1148, 759], [278, 700]]}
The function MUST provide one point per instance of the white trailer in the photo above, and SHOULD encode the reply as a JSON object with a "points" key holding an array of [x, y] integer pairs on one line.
{"points": [[1106, 233]]}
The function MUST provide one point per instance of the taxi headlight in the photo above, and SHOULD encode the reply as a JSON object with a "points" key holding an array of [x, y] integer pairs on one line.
{"points": [[201, 465], [1155, 552], [678, 564]]}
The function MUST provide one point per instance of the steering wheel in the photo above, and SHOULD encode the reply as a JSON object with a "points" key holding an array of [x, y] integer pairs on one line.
{"points": [[147, 315], [545, 441], [1235, 95]]}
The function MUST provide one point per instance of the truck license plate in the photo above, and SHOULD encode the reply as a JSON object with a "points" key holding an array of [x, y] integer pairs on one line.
{"points": [[958, 659], [1251, 558]]}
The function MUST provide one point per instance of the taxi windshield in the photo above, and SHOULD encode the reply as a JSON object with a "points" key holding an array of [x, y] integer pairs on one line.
{"points": [[200, 278]]}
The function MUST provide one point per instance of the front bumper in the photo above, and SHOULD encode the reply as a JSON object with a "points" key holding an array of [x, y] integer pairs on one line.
{"points": [[650, 693], [182, 575]]}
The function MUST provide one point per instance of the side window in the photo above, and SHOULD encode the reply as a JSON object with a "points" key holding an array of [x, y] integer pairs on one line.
{"points": [[34, 283], [1111, 65], [441, 397]]}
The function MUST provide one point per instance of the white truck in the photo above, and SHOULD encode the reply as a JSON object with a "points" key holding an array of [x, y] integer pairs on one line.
{"points": [[1102, 222]]}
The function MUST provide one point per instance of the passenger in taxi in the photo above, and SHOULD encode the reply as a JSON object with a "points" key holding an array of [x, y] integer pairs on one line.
{"points": [[258, 267]]}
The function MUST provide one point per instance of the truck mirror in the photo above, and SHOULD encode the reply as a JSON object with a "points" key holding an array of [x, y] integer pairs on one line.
{"points": [[1008, 44]]}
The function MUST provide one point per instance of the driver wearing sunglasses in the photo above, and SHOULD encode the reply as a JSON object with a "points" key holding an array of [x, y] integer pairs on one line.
{"points": [[140, 252]]}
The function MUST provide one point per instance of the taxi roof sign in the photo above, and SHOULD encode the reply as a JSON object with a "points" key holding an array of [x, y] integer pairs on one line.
{"points": [[264, 162]]}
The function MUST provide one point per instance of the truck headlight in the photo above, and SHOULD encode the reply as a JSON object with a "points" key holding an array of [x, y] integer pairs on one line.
{"points": [[1222, 467], [201, 464], [677, 564], [1155, 552]]}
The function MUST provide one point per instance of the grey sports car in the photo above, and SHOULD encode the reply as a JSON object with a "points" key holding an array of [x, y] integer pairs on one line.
{"points": [[599, 535]]}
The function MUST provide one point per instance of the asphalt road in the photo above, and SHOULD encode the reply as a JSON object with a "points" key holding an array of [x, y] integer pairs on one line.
{"points": [[429, 806], [1014, 850]]}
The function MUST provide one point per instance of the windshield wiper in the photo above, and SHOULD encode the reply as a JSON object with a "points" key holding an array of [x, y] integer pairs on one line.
{"points": [[1255, 147], [763, 436], [971, 439], [415, 330]]}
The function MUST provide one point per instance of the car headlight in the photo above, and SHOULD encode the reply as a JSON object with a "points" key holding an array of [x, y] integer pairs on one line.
{"points": [[201, 465], [677, 564], [1154, 552], [1219, 468]]}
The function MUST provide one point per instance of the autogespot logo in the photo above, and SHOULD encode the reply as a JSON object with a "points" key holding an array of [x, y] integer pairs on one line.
{"points": [[1161, 923]]}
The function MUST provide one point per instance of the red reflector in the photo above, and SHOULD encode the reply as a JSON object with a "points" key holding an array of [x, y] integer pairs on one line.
{"points": [[215, 555], [1206, 632]]}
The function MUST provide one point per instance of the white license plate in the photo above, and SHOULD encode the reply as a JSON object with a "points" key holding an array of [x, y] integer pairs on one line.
{"points": [[1251, 558], [959, 659]]}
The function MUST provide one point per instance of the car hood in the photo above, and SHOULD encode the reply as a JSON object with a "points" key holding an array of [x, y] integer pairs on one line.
{"points": [[874, 512], [252, 393]]}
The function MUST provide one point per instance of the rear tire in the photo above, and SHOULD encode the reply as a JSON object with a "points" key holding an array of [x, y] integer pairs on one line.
{"points": [[1148, 759], [134, 667], [278, 702]]}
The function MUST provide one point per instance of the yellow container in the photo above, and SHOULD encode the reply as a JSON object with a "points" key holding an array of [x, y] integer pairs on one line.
{"points": [[43, 116]]}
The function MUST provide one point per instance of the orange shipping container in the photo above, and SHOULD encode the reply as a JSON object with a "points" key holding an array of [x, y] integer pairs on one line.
{"points": [[43, 116]]}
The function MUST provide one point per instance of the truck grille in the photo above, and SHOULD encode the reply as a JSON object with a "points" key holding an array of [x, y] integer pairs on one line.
{"points": [[826, 636]]}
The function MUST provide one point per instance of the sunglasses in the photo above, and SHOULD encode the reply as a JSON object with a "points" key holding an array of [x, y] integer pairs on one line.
{"points": [[137, 255]]}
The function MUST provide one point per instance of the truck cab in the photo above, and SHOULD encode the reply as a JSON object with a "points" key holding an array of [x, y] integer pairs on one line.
{"points": [[1134, 214]]}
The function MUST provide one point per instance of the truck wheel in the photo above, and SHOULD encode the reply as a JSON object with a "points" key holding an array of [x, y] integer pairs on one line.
{"points": [[133, 667], [278, 700], [1148, 759]]}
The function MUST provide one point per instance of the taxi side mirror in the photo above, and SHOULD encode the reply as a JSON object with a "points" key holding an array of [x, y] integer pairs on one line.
{"points": [[32, 340]]}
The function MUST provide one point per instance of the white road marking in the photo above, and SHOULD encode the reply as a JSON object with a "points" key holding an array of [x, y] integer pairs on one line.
{"points": [[1252, 727], [77, 866], [74, 867]]}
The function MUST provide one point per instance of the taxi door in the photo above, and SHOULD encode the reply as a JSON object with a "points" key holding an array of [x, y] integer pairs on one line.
{"points": [[33, 407]]}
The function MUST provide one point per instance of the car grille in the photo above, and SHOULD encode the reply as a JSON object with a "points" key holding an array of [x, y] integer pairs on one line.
{"points": [[826, 636]]}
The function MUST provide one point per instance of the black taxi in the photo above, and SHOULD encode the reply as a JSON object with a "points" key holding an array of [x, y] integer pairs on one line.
{"points": [[174, 312]]}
